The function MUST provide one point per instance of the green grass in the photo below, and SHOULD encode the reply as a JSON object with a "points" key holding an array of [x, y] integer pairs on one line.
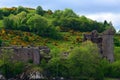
{"points": [[31, 11], [1, 23], [110, 79]]}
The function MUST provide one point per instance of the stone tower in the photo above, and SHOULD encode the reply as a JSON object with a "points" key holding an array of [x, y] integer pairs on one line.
{"points": [[108, 44], [104, 41]]}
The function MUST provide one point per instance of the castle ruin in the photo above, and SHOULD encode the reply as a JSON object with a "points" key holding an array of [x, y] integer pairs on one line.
{"points": [[26, 54], [104, 42]]}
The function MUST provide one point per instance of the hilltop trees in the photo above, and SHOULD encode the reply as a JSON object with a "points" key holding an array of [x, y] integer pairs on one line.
{"points": [[48, 23], [68, 20], [7, 11], [39, 26], [20, 9], [67, 13], [39, 10], [8, 23], [32, 23], [1, 15], [16, 22], [21, 21]]}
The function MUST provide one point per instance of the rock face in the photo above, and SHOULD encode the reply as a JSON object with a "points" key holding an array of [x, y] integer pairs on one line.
{"points": [[104, 42], [27, 54]]}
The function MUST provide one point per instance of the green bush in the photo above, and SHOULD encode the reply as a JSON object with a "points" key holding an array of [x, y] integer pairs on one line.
{"points": [[20, 9], [1, 42], [39, 10], [1, 14], [57, 68], [117, 53], [114, 69], [8, 23], [25, 38], [84, 62], [42, 28], [116, 41]]}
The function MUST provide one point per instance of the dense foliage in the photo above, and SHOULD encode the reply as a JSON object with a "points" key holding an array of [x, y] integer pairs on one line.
{"points": [[64, 19], [62, 31]]}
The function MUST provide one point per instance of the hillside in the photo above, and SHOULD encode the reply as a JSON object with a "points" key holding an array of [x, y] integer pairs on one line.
{"points": [[62, 32], [25, 25], [20, 38]]}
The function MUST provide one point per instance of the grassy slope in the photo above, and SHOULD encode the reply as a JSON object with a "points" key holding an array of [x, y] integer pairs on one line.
{"points": [[111, 79], [14, 37], [71, 39], [1, 23]]}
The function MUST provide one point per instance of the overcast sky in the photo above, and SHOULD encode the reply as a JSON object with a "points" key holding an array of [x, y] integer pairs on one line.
{"points": [[99, 10]]}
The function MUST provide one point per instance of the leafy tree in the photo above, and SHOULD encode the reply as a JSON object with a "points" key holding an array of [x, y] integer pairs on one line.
{"points": [[57, 14], [49, 12], [117, 53], [1, 42], [57, 68], [1, 14], [22, 17], [105, 66], [8, 23], [41, 27], [69, 13], [39, 10], [84, 62], [105, 22], [70, 23], [20, 9], [21, 20], [16, 22], [5, 11], [37, 24], [51, 32], [114, 69], [116, 41]]}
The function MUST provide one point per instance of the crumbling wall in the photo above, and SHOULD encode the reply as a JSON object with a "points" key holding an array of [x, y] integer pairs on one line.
{"points": [[104, 41], [108, 44], [28, 53]]}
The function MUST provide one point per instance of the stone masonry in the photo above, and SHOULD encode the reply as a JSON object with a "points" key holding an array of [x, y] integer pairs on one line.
{"points": [[28, 53], [104, 41]]}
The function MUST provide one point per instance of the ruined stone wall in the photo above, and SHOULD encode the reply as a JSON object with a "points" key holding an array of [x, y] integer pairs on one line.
{"points": [[108, 47], [28, 53], [108, 44], [104, 41]]}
